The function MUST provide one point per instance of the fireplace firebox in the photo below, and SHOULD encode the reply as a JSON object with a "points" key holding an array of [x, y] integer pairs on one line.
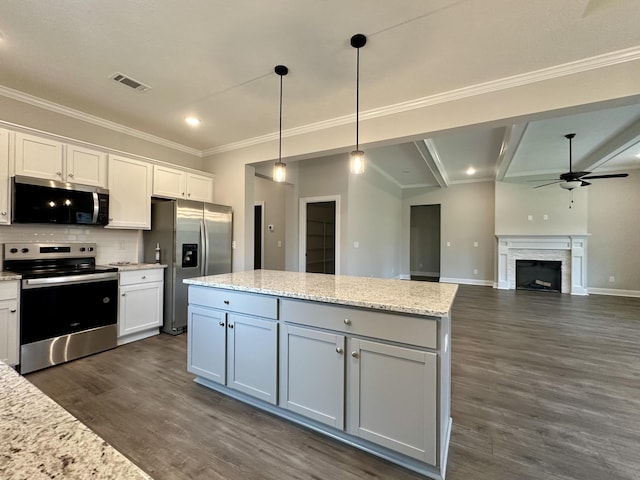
{"points": [[541, 275]]}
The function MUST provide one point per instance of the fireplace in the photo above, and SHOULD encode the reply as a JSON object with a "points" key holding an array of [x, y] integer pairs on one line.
{"points": [[539, 275], [569, 250]]}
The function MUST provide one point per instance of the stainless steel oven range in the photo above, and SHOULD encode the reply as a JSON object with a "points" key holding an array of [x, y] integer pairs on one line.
{"points": [[68, 304]]}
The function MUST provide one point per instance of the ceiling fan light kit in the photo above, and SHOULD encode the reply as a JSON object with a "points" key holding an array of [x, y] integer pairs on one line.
{"points": [[571, 180]]}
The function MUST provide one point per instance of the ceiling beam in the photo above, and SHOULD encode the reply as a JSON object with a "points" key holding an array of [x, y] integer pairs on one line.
{"points": [[510, 143], [610, 149], [429, 154]]}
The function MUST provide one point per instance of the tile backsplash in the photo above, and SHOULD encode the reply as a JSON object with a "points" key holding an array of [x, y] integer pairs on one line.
{"points": [[112, 245]]}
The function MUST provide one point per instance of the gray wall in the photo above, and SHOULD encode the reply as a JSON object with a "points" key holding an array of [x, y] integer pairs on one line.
{"points": [[273, 196], [467, 216], [614, 224]]}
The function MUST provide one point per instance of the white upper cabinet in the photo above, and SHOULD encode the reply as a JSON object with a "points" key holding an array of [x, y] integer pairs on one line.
{"points": [[38, 157], [44, 158], [5, 190], [85, 166], [129, 193], [175, 183]]}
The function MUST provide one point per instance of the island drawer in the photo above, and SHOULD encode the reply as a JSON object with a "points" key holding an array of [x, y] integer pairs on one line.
{"points": [[419, 331], [132, 277], [231, 301]]}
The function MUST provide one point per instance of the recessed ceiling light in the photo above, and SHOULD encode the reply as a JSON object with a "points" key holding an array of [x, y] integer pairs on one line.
{"points": [[193, 121], [637, 155], [471, 171]]}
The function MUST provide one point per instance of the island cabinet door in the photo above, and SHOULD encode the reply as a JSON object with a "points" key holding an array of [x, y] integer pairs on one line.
{"points": [[252, 356], [312, 371], [392, 397], [206, 353]]}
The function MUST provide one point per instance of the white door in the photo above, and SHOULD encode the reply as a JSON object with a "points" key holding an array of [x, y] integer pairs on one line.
{"points": [[252, 361], [392, 397], [312, 374], [140, 307], [206, 355]]}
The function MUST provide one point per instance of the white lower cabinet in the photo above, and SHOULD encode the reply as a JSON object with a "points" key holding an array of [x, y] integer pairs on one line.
{"points": [[140, 304], [9, 322], [393, 397], [312, 372]]}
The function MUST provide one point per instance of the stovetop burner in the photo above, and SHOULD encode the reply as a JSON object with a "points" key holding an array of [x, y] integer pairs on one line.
{"points": [[38, 260]]}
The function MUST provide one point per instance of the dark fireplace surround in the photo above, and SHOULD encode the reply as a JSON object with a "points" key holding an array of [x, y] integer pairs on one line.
{"points": [[539, 275]]}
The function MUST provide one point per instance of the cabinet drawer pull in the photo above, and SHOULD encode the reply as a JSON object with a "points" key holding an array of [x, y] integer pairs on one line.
{"points": [[59, 174], [339, 350], [226, 302], [347, 321], [221, 324], [70, 175], [143, 277], [354, 354], [231, 325]]}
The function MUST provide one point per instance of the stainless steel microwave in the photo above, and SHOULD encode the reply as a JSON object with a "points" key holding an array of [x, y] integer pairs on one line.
{"points": [[35, 200]]}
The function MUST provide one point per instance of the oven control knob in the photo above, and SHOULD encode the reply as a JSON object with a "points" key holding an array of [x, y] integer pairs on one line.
{"points": [[82, 249], [25, 250], [14, 250], [91, 249]]}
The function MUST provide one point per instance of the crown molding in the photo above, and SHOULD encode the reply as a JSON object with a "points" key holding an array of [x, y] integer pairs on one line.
{"points": [[94, 120], [570, 68]]}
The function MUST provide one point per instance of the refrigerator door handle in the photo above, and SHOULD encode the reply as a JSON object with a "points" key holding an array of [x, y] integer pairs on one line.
{"points": [[204, 247]]}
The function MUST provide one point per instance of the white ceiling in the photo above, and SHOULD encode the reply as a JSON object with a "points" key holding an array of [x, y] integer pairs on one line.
{"points": [[214, 59]]}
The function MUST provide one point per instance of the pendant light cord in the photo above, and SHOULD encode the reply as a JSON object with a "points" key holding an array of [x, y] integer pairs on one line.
{"points": [[357, 97], [280, 130]]}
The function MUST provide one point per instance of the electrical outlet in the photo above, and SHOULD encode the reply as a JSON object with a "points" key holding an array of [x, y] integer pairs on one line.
{"points": [[475, 244], [233, 244], [545, 217], [612, 279], [475, 271], [279, 243], [448, 244], [530, 218], [356, 244]]}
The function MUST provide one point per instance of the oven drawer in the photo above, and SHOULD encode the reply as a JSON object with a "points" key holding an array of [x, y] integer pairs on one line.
{"points": [[141, 276]]}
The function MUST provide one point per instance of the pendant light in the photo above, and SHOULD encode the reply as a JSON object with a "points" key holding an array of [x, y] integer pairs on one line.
{"points": [[356, 164], [280, 169]]}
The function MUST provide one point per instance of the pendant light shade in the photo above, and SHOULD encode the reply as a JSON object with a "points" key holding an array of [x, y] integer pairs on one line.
{"points": [[279, 168], [356, 165]]}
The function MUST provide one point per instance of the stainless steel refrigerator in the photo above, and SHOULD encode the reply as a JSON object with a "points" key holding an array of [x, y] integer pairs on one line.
{"points": [[194, 240]]}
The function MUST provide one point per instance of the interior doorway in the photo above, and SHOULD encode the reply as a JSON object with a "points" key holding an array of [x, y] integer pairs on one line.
{"points": [[319, 235], [258, 235], [424, 252]]}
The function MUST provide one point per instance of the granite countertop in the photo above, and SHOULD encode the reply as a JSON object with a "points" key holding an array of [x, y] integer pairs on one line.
{"points": [[9, 276], [41, 440], [126, 266], [404, 296]]}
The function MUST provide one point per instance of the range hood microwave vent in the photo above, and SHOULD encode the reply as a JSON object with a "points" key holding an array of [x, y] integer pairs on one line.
{"points": [[130, 82]]}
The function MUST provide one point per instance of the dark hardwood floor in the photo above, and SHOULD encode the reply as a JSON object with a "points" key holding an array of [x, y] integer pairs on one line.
{"points": [[545, 386]]}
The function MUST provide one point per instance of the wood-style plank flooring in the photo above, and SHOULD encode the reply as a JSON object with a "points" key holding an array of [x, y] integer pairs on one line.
{"points": [[545, 386]]}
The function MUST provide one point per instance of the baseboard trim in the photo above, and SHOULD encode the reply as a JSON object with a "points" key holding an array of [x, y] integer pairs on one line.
{"points": [[467, 281], [616, 292]]}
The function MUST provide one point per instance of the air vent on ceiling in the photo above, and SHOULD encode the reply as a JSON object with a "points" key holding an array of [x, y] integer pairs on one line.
{"points": [[130, 82]]}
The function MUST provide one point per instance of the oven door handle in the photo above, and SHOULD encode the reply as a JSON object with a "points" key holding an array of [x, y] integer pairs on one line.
{"points": [[69, 279]]}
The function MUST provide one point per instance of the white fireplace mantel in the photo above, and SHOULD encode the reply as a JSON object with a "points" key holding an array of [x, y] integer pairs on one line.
{"points": [[570, 249]]}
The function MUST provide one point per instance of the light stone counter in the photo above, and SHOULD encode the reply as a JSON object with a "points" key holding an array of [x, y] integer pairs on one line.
{"points": [[403, 296], [126, 266], [9, 276], [41, 440]]}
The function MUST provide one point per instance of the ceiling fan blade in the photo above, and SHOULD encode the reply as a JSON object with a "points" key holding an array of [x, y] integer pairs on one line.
{"points": [[573, 175], [550, 183], [613, 175], [584, 184]]}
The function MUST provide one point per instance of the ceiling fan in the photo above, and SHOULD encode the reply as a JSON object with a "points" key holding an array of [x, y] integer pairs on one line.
{"points": [[571, 179]]}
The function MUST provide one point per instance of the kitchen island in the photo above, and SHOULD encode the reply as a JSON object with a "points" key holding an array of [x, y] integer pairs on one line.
{"points": [[39, 439], [366, 361]]}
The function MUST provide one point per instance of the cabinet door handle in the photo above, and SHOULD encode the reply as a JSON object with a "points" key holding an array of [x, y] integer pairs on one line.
{"points": [[347, 321], [143, 277], [231, 325], [59, 174], [226, 302], [4, 214], [70, 175], [339, 350], [13, 310], [221, 324], [124, 294], [354, 354]]}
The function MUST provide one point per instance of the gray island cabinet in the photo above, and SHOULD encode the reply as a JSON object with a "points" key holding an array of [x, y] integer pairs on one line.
{"points": [[366, 361]]}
